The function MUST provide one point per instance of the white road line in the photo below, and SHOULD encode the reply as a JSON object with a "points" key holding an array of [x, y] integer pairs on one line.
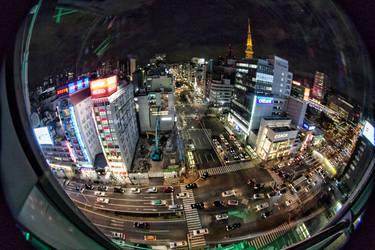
{"points": [[99, 225], [150, 209], [159, 231], [205, 156], [212, 157], [199, 158]]}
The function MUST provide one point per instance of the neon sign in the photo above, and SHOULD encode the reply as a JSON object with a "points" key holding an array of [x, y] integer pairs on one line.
{"points": [[264, 100], [306, 94], [74, 86], [103, 87], [308, 127]]}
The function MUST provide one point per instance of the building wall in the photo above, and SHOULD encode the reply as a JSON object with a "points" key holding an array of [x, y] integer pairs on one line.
{"points": [[296, 110], [270, 143], [88, 131]]}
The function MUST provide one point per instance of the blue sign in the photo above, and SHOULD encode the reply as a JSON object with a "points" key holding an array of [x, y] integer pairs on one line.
{"points": [[308, 127], [264, 100]]}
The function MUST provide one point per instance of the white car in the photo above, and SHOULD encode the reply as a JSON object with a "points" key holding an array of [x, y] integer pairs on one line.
{"points": [[221, 217], [135, 190], [175, 207], [182, 195], [98, 193], [262, 206], [118, 236], [102, 200], [202, 231], [152, 190], [258, 196], [233, 202], [228, 193], [178, 244]]}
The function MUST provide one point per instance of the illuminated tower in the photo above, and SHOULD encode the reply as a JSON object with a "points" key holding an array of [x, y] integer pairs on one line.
{"points": [[249, 44]]}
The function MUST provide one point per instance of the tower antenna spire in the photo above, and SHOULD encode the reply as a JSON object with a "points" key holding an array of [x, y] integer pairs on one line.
{"points": [[249, 43]]}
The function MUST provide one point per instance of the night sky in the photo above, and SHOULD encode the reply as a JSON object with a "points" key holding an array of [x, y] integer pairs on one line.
{"points": [[309, 39]]}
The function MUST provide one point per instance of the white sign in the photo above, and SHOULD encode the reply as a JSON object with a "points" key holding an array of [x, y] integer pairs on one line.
{"points": [[279, 136]]}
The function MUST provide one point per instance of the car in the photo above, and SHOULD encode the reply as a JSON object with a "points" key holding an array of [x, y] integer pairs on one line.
{"points": [[191, 186], [78, 188], [175, 207], [135, 190], [182, 195], [221, 217], [141, 225], [218, 204], [258, 196], [198, 205], [202, 231], [118, 190], [177, 244], [158, 202], [233, 202], [152, 190], [228, 193], [168, 189], [204, 175], [149, 237], [102, 188], [98, 193], [266, 214], [89, 187], [283, 191], [233, 226], [262, 206], [102, 200], [118, 236], [274, 168]]}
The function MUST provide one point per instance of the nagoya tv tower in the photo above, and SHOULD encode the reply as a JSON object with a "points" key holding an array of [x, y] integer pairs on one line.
{"points": [[249, 44]]}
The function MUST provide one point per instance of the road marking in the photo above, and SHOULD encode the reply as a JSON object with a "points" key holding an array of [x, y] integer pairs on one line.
{"points": [[156, 221], [150, 209], [212, 157], [205, 156], [159, 231], [199, 158], [99, 225], [118, 199]]}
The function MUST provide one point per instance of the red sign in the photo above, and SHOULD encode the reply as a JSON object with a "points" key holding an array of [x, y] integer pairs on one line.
{"points": [[103, 87], [62, 91]]}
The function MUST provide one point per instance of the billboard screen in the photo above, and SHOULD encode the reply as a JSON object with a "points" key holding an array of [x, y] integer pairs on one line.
{"points": [[103, 87], [306, 94], [368, 132], [43, 136], [264, 100]]}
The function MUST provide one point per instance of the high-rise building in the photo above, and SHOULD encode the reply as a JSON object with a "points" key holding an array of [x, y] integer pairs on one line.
{"points": [[132, 66], [249, 43], [116, 123], [318, 87], [260, 89]]}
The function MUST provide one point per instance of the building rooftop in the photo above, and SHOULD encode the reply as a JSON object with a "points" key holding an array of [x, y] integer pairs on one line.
{"points": [[282, 129]]}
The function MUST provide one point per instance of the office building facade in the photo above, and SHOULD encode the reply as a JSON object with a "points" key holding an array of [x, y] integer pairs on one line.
{"points": [[116, 123]]}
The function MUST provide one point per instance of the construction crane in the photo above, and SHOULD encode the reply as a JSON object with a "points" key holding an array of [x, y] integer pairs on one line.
{"points": [[156, 154]]}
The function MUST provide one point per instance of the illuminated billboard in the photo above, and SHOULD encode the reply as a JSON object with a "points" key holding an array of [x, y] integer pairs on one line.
{"points": [[43, 136], [368, 132], [308, 127], [103, 87], [74, 86], [264, 100], [306, 94]]}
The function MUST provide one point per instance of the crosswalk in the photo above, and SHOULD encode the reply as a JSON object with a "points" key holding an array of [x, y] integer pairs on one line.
{"points": [[193, 220], [275, 177], [269, 237], [227, 168]]}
